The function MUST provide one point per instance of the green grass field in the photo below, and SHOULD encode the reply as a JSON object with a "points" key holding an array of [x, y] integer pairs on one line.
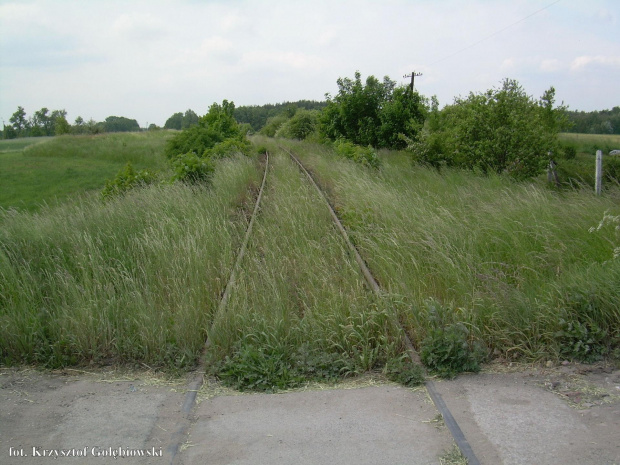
{"points": [[34, 171], [590, 143]]}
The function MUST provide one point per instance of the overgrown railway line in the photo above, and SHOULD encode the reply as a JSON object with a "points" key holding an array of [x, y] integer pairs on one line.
{"points": [[196, 383], [451, 423]]}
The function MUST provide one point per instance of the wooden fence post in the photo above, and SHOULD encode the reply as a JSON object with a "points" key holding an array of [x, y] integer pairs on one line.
{"points": [[599, 172]]}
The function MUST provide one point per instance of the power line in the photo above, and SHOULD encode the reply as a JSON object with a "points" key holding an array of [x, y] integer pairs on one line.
{"points": [[494, 34]]}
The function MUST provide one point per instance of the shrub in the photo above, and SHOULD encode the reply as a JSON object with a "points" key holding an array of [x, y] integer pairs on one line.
{"points": [[502, 130], [569, 151], [584, 342], [373, 113], [192, 169], [259, 368], [403, 371], [300, 126], [363, 155], [228, 148], [611, 169], [272, 125], [448, 348], [214, 127], [126, 179]]}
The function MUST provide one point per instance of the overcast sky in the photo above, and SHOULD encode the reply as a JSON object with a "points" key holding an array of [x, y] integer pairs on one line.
{"points": [[149, 59]]}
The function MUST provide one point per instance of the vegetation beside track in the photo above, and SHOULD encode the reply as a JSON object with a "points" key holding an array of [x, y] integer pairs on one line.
{"points": [[509, 269], [131, 280], [473, 266]]}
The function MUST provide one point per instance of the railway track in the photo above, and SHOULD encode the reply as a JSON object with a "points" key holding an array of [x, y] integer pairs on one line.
{"points": [[441, 406], [195, 385]]}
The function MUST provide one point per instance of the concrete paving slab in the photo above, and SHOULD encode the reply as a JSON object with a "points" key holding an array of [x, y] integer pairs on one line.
{"points": [[568, 414], [372, 425], [526, 418], [80, 418]]}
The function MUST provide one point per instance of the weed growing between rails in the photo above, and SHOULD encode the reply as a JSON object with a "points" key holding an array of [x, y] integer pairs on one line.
{"points": [[509, 263], [134, 279], [299, 309]]}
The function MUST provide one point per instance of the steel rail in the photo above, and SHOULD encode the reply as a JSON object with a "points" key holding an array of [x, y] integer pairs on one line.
{"points": [[196, 383], [455, 430]]}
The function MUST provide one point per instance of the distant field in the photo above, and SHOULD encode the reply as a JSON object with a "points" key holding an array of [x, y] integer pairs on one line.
{"points": [[590, 143], [580, 169], [37, 170], [12, 145]]}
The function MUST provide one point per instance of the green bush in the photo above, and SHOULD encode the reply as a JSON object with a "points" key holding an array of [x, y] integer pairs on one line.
{"points": [[272, 125], [403, 371], [192, 169], [568, 151], [448, 348], [259, 368], [374, 113], [502, 131], [611, 169], [126, 179], [228, 148], [365, 156], [214, 127], [585, 342], [300, 126]]}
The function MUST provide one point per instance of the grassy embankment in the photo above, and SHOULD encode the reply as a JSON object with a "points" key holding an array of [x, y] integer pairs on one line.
{"points": [[515, 263], [135, 279], [39, 170]]}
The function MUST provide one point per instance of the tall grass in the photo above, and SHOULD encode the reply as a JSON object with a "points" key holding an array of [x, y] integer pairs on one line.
{"points": [[513, 261], [135, 279], [299, 307]]}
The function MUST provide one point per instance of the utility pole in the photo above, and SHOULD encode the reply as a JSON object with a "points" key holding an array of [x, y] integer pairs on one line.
{"points": [[412, 76]]}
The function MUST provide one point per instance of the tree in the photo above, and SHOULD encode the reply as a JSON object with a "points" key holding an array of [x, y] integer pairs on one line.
{"points": [[40, 123], [93, 127], [374, 113], [120, 124], [216, 126], [78, 126], [502, 130], [300, 126], [53, 122], [61, 126], [189, 119], [19, 122], [174, 122]]}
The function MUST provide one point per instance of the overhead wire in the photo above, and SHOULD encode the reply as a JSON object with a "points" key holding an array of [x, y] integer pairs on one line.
{"points": [[494, 33]]}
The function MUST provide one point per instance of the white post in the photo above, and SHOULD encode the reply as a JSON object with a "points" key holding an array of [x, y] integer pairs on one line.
{"points": [[599, 172]]}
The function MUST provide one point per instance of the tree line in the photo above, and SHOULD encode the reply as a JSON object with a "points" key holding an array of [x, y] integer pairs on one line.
{"points": [[595, 122], [502, 130], [54, 123]]}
